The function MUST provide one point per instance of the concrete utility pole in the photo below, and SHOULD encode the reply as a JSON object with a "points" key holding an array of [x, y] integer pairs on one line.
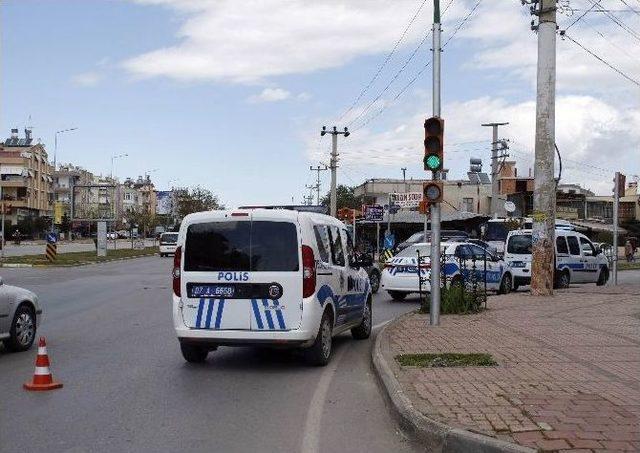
{"points": [[544, 191], [333, 164], [318, 169], [434, 309], [616, 204], [495, 189], [404, 178], [308, 199]]}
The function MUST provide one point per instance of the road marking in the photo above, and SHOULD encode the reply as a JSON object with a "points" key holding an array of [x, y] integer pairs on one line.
{"points": [[380, 324], [311, 436]]}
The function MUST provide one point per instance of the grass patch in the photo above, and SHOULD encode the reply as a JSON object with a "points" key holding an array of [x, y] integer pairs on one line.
{"points": [[76, 258], [625, 266], [447, 359]]}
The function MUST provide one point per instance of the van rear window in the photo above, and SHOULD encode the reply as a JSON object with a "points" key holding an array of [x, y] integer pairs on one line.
{"points": [[169, 238], [519, 244], [241, 246]]}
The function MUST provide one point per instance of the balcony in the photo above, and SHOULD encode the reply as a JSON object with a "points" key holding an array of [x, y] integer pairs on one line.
{"points": [[17, 182]]}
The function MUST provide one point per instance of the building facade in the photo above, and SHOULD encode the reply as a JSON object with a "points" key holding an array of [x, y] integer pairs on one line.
{"points": [[26, 181], [64, 179]]}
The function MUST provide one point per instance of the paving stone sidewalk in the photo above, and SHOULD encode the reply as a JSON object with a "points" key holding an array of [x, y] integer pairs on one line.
{"points": [[568, 377]]}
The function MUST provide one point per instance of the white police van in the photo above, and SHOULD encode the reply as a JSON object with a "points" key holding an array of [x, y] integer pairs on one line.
{"points": [[400, 274], [267, 277], [577, 259]]}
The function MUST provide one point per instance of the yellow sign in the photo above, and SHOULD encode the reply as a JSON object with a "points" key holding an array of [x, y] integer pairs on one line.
{"points": [[59, 208]]}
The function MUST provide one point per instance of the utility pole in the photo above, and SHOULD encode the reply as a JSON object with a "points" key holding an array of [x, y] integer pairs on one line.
{"points": [[616, 204], [404, 178], [309, 198], [495, 189], [544, 185], [318, 169], [434, 309], [333, 164]]}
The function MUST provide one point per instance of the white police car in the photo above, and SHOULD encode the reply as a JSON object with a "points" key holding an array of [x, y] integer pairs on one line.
{"points": [[267, 277], [577, 259], [400, 275]]}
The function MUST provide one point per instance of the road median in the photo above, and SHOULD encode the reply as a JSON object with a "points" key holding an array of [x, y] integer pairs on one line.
{"points": [[77, 258]]}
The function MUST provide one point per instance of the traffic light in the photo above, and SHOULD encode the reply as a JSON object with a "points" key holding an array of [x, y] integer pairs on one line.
{"points": [[434, 144], [432, 191], [622, 182]]}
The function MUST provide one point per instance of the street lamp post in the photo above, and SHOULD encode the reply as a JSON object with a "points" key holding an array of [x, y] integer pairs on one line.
{"points": [[113, 158], [55, 144]]}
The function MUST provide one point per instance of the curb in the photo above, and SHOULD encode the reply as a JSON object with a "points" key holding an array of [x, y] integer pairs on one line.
{"points": [[434, 436], [88, 263]]}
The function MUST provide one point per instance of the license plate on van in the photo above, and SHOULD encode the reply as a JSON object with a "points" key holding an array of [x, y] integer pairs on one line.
{"points": [[226, 291]]}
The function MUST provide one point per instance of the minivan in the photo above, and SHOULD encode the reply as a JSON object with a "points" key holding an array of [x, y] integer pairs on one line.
{"points": [[267, 277], [168, 244], [577, 260]]}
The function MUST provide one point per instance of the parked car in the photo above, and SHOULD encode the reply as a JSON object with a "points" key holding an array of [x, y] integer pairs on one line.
{"points": [[112, 235], [400, 274], [445, 235], [20, 315], [576, 259], [267, 277]]}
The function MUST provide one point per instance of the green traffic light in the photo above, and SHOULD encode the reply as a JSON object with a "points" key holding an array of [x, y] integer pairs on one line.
{"points": [[432, 162]]}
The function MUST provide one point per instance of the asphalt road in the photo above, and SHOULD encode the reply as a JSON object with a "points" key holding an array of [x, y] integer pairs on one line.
{"points": [[66, 247], [127, 388]]}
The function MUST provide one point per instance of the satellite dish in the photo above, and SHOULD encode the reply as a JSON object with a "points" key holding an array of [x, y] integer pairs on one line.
{"points": [[509, 206]]}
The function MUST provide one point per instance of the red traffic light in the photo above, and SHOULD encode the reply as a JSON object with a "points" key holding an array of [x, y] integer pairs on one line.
{"points": [[434, 144]]}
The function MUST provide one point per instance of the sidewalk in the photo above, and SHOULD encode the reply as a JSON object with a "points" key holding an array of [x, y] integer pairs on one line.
{"points": [[568, 374]]}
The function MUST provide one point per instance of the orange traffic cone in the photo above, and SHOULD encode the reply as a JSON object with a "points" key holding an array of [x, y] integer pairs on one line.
{"points": [[42, 378]]}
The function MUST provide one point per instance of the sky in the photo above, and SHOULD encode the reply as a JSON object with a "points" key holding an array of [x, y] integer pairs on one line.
{"points": [[232, 95]]}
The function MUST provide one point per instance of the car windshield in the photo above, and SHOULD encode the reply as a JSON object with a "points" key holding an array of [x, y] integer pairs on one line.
{"points": [[496, 231], [425, 250], [415, 237], [519, 244], [241, 246]]}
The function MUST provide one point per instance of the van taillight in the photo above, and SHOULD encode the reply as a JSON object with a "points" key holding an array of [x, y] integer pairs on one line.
{"points": [[177, 261], [308, 272]]}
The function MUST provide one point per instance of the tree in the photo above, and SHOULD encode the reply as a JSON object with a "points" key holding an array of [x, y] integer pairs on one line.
{"points": [[345, 198], [196, 199], [65, 224]]}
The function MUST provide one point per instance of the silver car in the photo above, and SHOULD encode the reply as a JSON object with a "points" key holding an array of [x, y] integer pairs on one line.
{"points": [[20, 315]]}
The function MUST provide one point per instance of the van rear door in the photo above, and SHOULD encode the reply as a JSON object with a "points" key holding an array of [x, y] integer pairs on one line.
{"points": [[242, 272]]}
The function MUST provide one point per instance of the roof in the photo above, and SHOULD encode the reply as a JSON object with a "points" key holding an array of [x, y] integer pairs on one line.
{"points": [[404, 216]]}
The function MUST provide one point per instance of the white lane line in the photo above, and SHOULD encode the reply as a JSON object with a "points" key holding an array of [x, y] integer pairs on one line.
{"points": [[311, 437], [380, 324]]}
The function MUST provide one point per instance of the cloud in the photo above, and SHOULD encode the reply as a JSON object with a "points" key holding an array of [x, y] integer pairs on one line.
{"points": [[87, 79], [270, 95], [246, 42]]}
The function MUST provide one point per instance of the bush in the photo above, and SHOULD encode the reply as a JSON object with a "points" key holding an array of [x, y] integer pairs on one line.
{"points": [[457, 300]]}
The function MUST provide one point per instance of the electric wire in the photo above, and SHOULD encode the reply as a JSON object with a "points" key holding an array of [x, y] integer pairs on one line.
{"points": [[617, 21], [630, 7]]}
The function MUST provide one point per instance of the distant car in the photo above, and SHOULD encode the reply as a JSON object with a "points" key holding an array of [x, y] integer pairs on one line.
{"points": [[122, 234], [400, 274], [112, 235], [20, 315], [168, 243]]}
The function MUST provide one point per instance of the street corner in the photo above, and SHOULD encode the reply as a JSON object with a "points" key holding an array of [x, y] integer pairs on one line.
{"points": [[565, 374]]}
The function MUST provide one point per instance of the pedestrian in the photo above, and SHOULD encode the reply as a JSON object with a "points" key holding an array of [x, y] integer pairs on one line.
{"points": [[628, 251]]}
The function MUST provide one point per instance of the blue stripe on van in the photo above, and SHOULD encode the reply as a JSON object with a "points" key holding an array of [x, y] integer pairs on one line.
{"points": [[279, 315], [199, 316], [267, 314], [256, 313], [219, 314], [207, 324]]}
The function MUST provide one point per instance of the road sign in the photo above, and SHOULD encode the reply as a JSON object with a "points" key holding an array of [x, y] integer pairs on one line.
{"points": [[407, 199], [373, 213], [509, 206], [389, 241], [51, 238]]}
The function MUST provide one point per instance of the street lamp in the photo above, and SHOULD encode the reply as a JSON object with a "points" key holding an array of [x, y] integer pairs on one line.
{"points": [[113, 158], [55, 145]]}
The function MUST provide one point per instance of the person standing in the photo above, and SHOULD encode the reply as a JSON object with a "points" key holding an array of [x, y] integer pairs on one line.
{"points": [[628, 251]]}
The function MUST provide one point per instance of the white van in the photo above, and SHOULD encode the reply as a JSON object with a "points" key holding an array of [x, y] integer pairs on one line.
{"points": [[168, 244], [577, 260], [267, 277]]}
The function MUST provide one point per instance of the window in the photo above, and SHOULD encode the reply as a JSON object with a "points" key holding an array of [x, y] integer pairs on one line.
{"points": [[467, 204], [520, 244], [587, 247], [169, 238], [479, 253], [574, 248], [463, 252], [496, 231], [322, 239], [241, 246], [561, 246], [337, 253], [351, 253]]}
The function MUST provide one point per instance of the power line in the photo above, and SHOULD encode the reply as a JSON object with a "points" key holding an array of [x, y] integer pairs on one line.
{"points": [[617, 21], [384, 63], [635, 82], [630, 7], [579, 18], [462, 22]]}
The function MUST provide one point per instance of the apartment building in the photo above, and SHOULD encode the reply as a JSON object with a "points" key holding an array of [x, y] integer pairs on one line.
{"points": [[26, 181], [64, 179]]}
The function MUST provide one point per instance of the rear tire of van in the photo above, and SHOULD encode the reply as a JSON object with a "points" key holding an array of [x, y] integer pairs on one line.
{"points": [[193, 353], [363, 331], [506, 285], [603, 278], [397, 295], [320, 352]]}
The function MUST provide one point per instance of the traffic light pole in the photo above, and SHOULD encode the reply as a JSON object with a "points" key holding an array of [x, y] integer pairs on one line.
{"points": [[544, 184], [434, 309]]}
